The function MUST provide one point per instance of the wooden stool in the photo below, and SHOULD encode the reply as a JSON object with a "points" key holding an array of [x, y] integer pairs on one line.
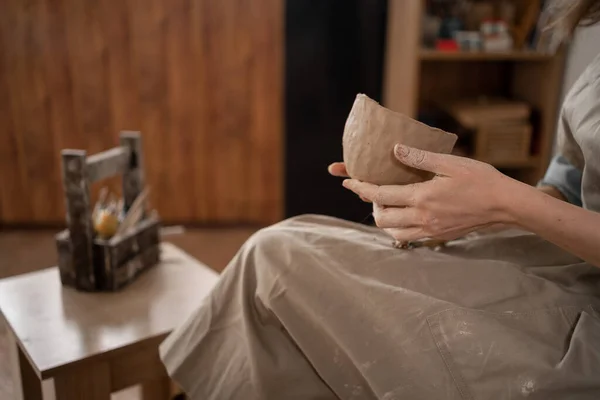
{"points": [[93, 344]]}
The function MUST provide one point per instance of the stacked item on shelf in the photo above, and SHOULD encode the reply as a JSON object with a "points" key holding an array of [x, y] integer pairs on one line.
{"points": [[502, 131], [480, 25]]}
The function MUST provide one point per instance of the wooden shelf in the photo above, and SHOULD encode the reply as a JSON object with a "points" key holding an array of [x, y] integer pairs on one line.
{"points": [[435, 55], [417, 77]]}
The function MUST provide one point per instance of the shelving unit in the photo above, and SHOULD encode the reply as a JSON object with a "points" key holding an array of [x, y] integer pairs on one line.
{"points": [[525, 55], [416, 79]]}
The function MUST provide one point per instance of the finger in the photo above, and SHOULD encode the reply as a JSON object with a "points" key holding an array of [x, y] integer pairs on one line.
{"points": [[460, 232], [437, 163], [407, 234], [396, 217], [387, 195], [338, 169], [377, 207]]}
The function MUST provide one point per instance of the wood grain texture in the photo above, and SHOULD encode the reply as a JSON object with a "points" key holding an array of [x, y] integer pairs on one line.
{"points": [[30, 382], [442, 82], [158, 389], [202, 81], [143, 364], [26, 383], [401, 76], [79, 218], [108, 163], [12, 188], [90, 381]]}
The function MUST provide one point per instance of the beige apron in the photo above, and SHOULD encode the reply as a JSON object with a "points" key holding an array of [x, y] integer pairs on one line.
{"points": [[320, 308]]}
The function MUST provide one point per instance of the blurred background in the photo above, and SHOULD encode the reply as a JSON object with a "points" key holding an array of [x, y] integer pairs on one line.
{"points": [[241, 104]]}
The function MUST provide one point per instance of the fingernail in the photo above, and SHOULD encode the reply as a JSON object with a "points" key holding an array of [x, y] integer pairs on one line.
{"points": [[329, 168], [401, 150], [345, 182]]}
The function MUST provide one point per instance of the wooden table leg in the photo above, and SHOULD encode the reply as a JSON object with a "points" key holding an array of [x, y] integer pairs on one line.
{"points": [[90, 381], [157, 389], [26, 384]]}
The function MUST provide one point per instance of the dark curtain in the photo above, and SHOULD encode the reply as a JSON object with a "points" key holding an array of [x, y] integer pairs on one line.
{"points": [[334, 50]]}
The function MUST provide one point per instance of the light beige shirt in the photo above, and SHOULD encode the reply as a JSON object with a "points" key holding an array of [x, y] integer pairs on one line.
{"points": [[579, 132]]}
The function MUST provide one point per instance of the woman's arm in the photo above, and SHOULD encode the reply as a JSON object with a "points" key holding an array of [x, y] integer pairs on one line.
{"points": [[467, 195], [573, 228], [552, 191]]}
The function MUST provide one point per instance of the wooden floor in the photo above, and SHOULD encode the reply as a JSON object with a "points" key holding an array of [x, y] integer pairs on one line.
{"points": [[25, 251]]}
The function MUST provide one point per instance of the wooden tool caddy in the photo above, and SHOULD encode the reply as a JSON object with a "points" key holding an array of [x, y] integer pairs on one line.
{"points": [[90, 263]]}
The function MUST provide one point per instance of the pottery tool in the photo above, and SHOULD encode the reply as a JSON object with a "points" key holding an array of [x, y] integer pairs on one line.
{"points": [[135, 212], [171, 230]]}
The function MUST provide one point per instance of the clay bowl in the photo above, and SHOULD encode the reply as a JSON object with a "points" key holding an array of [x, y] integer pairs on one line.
{"points": [[370, 133]]}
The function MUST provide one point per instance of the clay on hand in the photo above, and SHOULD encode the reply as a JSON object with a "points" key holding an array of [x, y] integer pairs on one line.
{"points": [[370, 133]]}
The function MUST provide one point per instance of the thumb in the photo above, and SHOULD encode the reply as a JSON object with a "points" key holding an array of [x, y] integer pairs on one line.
{"points": [[338, 169], [422, 159]]}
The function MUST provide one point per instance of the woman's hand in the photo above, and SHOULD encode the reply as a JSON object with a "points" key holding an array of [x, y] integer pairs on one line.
{"points": [[338, 169], [465, 195]]}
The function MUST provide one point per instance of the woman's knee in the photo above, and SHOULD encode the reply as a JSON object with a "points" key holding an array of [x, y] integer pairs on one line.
{"points": [[274, 249]]}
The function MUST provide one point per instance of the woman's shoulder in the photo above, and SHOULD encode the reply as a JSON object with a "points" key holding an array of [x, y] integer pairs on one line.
{"points": [[580, 114], [591, 74], [584, 91]]}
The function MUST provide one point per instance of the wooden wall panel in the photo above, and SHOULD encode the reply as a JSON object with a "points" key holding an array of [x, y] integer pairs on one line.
{"points": [[202, 80]]}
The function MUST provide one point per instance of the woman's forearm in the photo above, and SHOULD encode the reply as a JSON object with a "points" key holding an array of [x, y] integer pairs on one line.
{"points": [[573, 228], [552, 191]]}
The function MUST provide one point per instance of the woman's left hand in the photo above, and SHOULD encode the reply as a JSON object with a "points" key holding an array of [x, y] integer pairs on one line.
{"points": [[465, 195]]}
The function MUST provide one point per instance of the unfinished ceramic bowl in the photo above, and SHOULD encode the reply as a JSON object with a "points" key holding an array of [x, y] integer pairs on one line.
{"points": [[370, 133]]}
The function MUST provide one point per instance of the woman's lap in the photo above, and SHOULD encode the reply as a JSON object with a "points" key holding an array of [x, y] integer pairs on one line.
{"points": [[315, 307]]}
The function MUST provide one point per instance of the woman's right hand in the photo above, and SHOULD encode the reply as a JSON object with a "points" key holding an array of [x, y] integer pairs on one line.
{"points": [[338, 169]]}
